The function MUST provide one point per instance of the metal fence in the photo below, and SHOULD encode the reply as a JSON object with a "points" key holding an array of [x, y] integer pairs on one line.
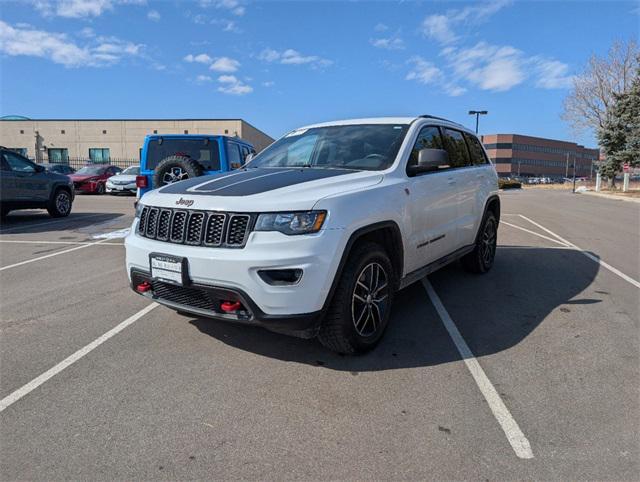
{"points": [[78, 162]]}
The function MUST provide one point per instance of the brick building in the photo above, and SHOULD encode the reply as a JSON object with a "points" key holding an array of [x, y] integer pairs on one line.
{"points": [[514, 155]]}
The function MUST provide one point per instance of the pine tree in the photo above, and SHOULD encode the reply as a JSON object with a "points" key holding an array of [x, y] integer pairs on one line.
{"points": [[620, 135]]}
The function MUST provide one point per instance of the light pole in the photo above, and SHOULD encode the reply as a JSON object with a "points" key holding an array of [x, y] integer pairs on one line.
{"points": [[478, 113]]}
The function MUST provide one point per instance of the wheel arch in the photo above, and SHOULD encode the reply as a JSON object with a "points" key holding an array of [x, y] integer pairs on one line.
{"points": [[388, 234]]}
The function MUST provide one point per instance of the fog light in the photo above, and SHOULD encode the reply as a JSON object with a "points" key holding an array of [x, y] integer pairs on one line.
{"points": [[280, 277]]}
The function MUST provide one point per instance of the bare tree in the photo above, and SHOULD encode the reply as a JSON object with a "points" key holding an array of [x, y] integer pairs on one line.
{"points": [[593, 91]]}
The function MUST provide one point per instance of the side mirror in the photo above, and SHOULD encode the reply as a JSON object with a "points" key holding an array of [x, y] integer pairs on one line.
{"points": [[429, 160], [40, 168]]}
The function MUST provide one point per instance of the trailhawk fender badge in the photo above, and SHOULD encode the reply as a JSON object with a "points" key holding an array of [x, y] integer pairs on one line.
{"points": [[184, 202]]}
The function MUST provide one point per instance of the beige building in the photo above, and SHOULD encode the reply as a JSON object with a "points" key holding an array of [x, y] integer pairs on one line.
{"points": [[109, 139]]}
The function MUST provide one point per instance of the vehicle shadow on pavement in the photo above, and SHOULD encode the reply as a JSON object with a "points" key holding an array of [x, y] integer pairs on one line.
{"points": [[493, 312], [29, 222]]}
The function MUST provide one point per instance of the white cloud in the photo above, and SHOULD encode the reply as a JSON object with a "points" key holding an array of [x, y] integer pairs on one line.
{"points": [[293, 57], [227, 25], [230, 84], [58, 48], [153, 15], [224, 64], [232, 6], [200, 58], [79, 8], [553, 74], [390, 43], [440, 27], [87, 32], [269, 83], [203, 79], [381, 27], [423, 71], [490, 67]]}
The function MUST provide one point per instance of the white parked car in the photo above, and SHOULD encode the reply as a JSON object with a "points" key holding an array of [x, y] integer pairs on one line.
{"points": [[317, 232], [125, 182]]}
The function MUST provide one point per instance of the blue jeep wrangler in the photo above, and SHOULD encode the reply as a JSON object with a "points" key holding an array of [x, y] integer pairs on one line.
{"points": [[172, 158]]}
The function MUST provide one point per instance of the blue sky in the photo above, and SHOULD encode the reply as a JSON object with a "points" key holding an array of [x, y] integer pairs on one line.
{"points": [[280, 65]]}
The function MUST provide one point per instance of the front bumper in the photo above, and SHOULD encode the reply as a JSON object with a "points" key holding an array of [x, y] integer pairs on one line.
{"points": [[235, 271], [129, 188], [86, 186], [204, 301]]}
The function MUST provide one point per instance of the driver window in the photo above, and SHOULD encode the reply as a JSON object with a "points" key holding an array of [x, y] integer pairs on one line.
{"points": [[428, 138], [18, 164]]}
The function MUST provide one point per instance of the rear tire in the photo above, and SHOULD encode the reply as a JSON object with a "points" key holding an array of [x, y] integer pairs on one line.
{"points": [[60, 204], [359, 310], [175, 168], [481, 259]]}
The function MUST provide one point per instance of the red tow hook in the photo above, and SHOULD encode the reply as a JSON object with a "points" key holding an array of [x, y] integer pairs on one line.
{"points": [[143, 287], [230, 306]]}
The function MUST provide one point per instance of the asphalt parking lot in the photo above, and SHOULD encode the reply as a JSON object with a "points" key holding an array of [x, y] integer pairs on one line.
{"points": [[541, 382]]}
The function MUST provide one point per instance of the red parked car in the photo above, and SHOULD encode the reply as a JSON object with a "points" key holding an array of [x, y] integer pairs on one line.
{"points": [[92, 179]]}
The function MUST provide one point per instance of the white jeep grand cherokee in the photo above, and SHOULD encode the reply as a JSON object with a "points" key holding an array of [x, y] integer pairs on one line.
{"points": [[316, 233]]}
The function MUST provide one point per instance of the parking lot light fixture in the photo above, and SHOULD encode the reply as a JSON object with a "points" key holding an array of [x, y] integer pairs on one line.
{"points": [[478, 113]]}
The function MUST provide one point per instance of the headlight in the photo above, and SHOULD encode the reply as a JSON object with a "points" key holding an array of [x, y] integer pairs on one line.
{"points": [[139, 208], [291, 223]]}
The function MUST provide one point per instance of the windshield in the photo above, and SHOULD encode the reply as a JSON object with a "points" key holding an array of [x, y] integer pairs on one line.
{"points": [[132, 171], [203, 150], [91, 170], [366, 146]]}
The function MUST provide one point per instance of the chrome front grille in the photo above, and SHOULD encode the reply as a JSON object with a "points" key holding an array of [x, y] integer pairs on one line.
{"points": [[195, 228]]}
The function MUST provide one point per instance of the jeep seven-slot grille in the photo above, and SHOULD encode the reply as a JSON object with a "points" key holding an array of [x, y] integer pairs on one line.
{"points": [[196, 228]]}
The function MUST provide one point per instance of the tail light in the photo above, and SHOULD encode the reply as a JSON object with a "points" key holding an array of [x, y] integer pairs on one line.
{"points": [[142, 182]]}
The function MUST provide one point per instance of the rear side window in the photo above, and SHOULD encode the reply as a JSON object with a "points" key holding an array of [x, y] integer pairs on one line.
{"points": [[428, 138], [457, 149], [478, 157], [233, 155]]}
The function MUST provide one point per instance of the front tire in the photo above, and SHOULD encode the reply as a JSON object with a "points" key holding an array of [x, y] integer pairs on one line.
{"points": [[481, 259], [359, 311], [100, 189], [60, 205]]}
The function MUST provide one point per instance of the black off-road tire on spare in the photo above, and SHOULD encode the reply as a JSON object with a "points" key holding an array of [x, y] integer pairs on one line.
{"points": [[60, 203], [338, 331], [481, 259], [190, 167]]}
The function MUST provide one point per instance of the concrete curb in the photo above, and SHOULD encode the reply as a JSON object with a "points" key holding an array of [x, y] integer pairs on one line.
{"points": [[611, 196]]}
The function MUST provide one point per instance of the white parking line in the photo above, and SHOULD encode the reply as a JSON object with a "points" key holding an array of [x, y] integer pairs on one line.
{"points": [[30, 241], [33, 260], [36, 382], [615, 271], [535, 234], [35, 225], [516, 438]]}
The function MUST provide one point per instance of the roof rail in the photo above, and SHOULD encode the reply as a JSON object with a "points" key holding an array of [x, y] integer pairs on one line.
{"points": [[427, 116]]}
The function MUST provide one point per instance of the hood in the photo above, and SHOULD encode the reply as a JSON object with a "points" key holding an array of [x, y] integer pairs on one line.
{"points": [[82, 177], [261, 189], [123, 177]]}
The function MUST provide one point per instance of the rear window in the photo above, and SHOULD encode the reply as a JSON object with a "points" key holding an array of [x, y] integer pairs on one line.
{"points": [[205, 151]]}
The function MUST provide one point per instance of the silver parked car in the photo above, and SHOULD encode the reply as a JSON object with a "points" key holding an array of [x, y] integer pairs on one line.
{"points": [[125, 182]]}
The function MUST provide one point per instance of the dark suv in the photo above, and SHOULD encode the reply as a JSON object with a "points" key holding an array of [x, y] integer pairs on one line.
{"points": [[26, 185]]}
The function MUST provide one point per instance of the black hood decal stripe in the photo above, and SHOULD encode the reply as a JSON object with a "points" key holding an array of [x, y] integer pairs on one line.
{"points": [[250, 181]]}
